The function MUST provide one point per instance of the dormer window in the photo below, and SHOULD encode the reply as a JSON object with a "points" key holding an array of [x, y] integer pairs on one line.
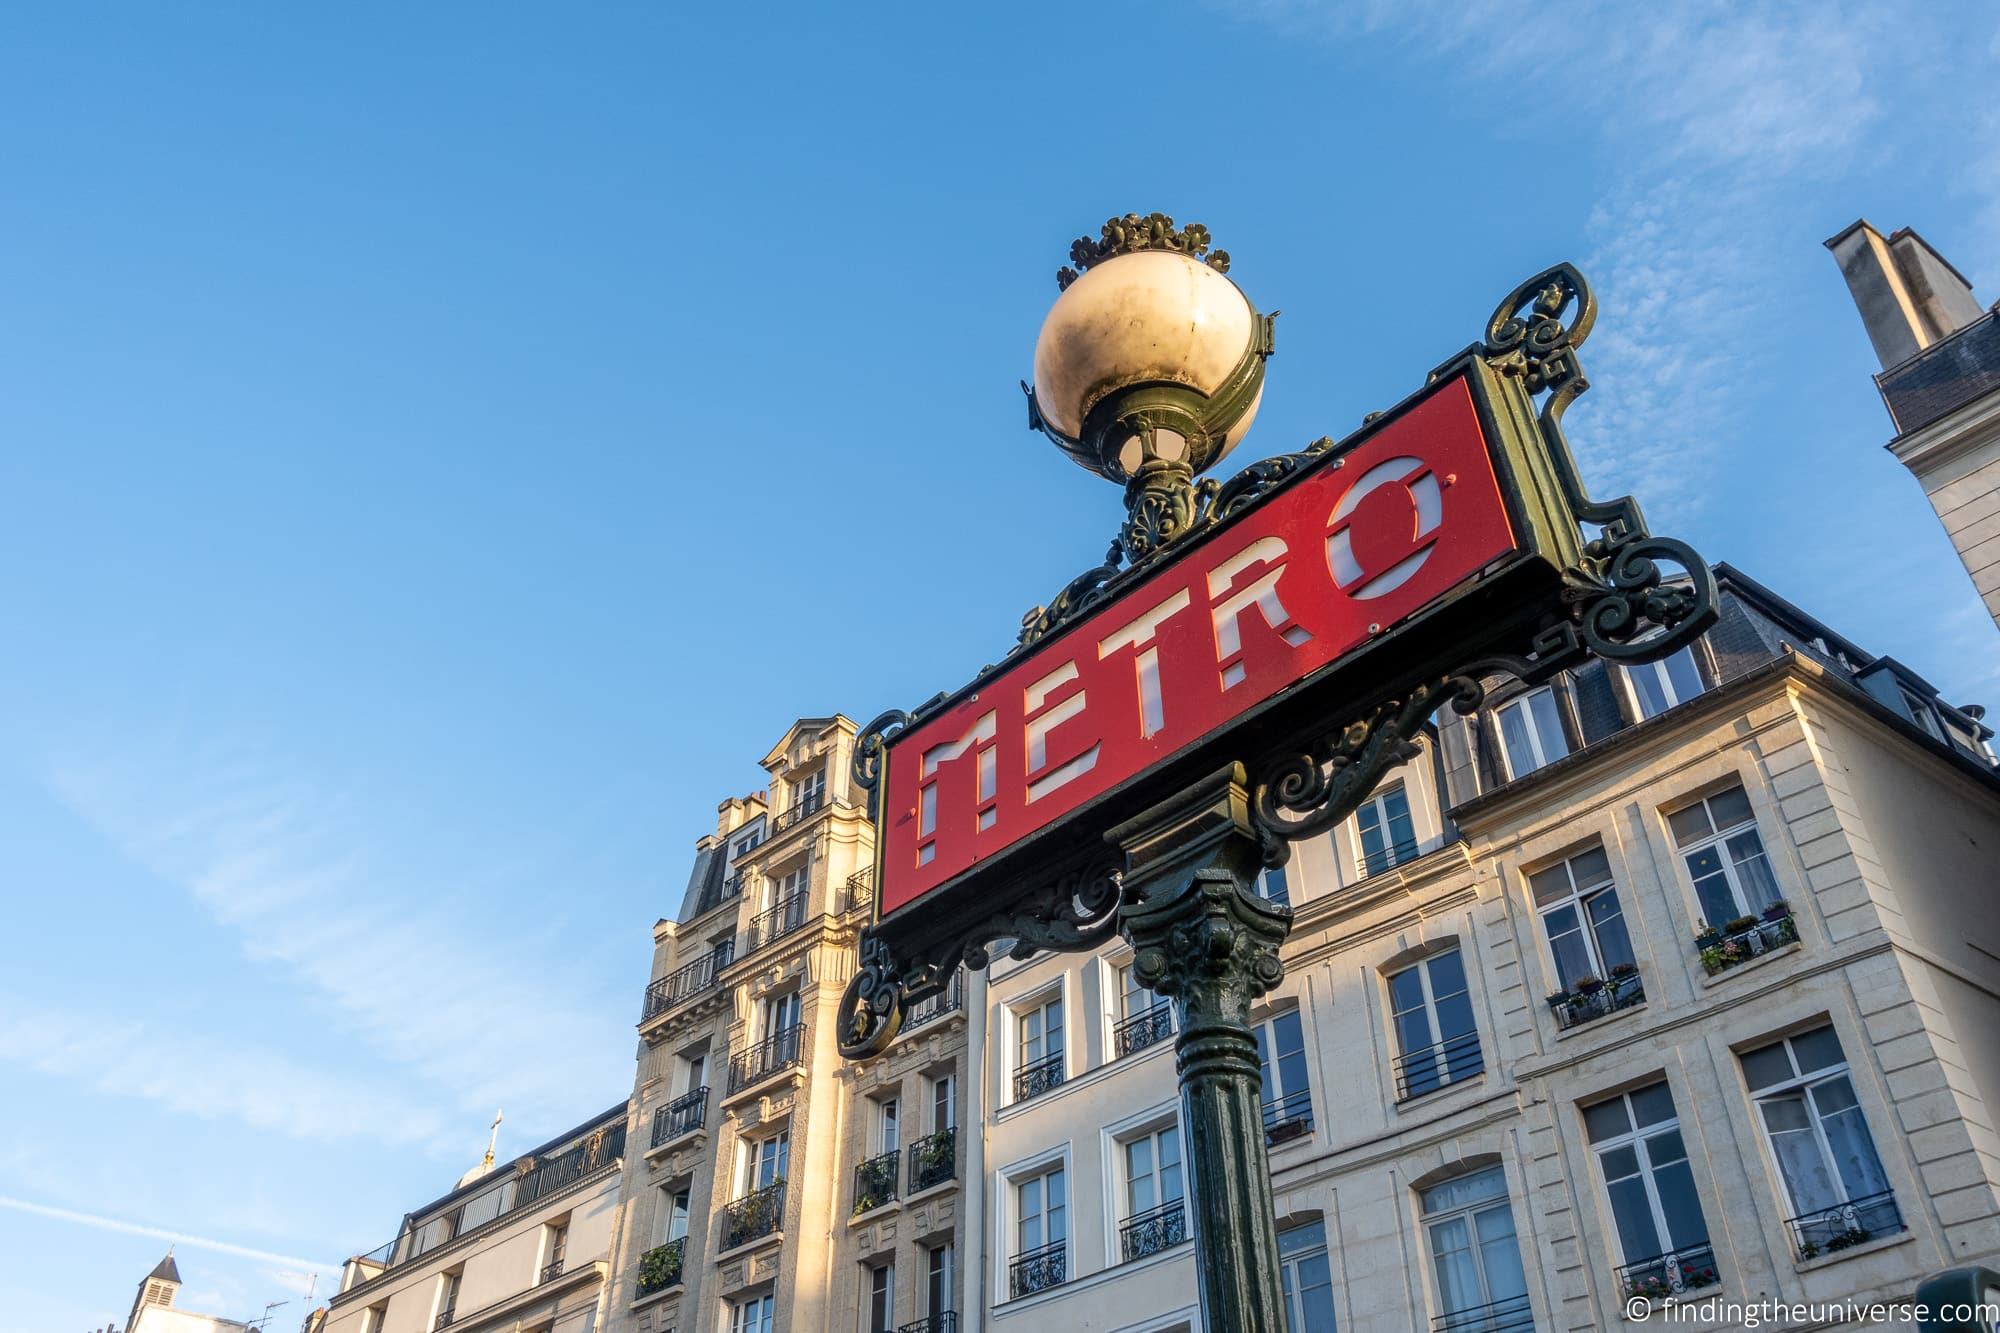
{"points": [[1531, 732], [1658, 686], [809, 792]]}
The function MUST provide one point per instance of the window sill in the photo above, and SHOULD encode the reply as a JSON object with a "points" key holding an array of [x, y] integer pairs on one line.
{"points": [[1600, 1022], [932, 1191], [1819, 1261], [879, 1211], [652, 1298], [784, 1079], [768, 1239], [1727, 974], [659, 1154]]}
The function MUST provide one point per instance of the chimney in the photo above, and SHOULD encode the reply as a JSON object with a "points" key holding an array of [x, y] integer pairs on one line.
{"points": [[1909, 296]]}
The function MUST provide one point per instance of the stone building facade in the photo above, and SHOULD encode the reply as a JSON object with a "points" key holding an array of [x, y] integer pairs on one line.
{"points": [[772, 1185], [1668, 983]]}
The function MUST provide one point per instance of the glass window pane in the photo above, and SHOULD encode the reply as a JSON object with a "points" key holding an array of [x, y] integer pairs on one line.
{"points": [[1689, 825], [1447, 974], [1618, 1163], [1297, 1240], [1766, 1065], [1499, 1256], [1730, 808], [1614, 943], [1686, 681], [1406, 991], [1817, 1049], [1649, 689], [1638, 1233], [1550, 884], [1456, 1268], [1514, 740], [1653, 1105], [1606, 1120], [1548, 725], [1666, 1147], [1590, 868], [1854, 1153], [1460, 1191], [1680, 1206]]}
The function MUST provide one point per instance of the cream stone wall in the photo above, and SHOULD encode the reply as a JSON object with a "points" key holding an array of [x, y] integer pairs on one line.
{"points": [[1957, 461]]}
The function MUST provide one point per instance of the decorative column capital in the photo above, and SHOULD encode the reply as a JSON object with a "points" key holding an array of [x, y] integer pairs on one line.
{"points": [[1212, 933]]}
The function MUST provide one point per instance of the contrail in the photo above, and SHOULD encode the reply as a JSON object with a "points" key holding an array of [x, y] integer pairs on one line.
{"points": [[161, 1233]]}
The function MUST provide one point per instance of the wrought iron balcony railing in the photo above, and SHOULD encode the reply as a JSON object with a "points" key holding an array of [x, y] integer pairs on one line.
{"points": [[1035, 1079], [1689, 1268], [860, 888], [1453, 1060], [1149, 1026], [1592, 999], [682, 1115], [933, 1159], [1394, 854], [1737, 942], [755, 1215], [720, 892], [798, 814], [1288, 1117], [552, 1270], [785, 916], [1153, 1230], [932, 1008], [875, 1181], [1845, 1225], [443, 1319], [1512, 1315], [944, 1321], [560, 1172], [660, 1267], [779, 1051], [685, 983], [1038, 1270]]}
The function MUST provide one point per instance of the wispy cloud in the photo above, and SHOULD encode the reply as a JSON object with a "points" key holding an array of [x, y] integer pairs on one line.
{"points": [[289, 1268]]}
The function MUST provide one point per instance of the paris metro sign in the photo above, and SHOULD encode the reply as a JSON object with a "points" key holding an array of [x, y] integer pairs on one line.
{"points": [[1320, 608]]}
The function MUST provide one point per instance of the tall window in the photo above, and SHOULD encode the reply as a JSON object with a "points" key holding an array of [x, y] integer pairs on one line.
{"points": [[1306, 1278], [1658, 686], [1531, 733], [944, 1102], [882, 1298], [696, 1066], [1144, 1019], [1820, 1142], [767, 1161], [1644, 1164], [673, 1213], [1281, 1064], [1719, 842], [752, 1314], [1038, 1055], [888, 1125], [1041, 1232], [448, 1285], [781, 1015], [1435, 1035], [1579, 908], [1154, 1215], [1387, 836], [809, 791], [1474, 1257], [940, 1290], [555, 1248], [790, 884]]}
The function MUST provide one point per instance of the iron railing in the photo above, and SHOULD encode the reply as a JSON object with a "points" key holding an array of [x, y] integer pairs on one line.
{"points": [[779, 1051], [1453, 1060], [1149, 1026], [682, 1115], [1845, 1225], [933, 1159], [944, 1321], [1592, 999], [800, 812], [443, 1319], [1288, 1117], [755, 1215], [687, 982], [552, 1270], [860, 888], [785, 916], [1689, 1268], [1035, 1079], [555, 1173], [660, 1267], [1390, 855], [715, 895], [934, 1007], [875, 1181], [1512, 1315], [1154, 1230], [1738, 941], [1038, 1270]]}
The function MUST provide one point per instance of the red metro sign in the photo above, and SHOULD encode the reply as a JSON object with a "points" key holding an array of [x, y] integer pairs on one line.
{"points": [[1356, 544]]}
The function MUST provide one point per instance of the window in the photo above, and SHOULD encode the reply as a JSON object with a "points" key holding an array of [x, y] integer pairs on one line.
{"points": [[788, 885], [673, 1213], [1144, 1019], [1919, 709], [1281, 1063], [887, 1131], [1435, 1034], [781, 1015], [1155, 1217], [944, 1103], [941, 1289], [1531, 733], [809, 791], [1474, 1258], [1578, 903], [447, 1305], [1812, 1121], [1387, 836], [748, 844], [1038, 1062], [555, 1246], [1306, 1278], [752, 1314], [766, 1161], [371, 1318], [1644, 1165], [694, 1067], [1273, 887], [1718, 840], [882, 1298], [1041, 1233], [1658, 686]]}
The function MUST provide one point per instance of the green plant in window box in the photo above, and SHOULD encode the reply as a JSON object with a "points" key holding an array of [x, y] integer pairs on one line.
{"points": [[659, 1268], [1739, 925], [1589, 985], [1707, 937], [1809, 1250], [937, 1154]]}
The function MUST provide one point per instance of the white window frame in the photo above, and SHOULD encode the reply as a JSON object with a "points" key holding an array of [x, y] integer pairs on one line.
{"points": [[947, 1082], [1378, 804], [784, 1005], [1270, 1065], [1802, 1084], [755, 1156], [1036, 1006], [811, 788], [753, 1314], [941, 1279], [1577, 899], [1659, 672], [1428, 1221], [880, 1316], [888, 1124], [1536, 741], [1443, 1068], [1155, 1131], [1718, 838], [1291, 1282], [673, 1212], [1639, 1139], [1006, 1213]]}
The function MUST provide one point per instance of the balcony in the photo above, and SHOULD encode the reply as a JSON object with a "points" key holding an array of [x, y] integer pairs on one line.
{"points": [[660, 1267], [443, 1319], [1033, 1080], [933, 1007], [1150, 1232], [681, 1116], [721, 892], [780, 1051], [1288, 1117], [1148, 1027], [687, 982], [798, 814], [860, 889], [1845, 1225], [1387, 857], [552, 1270], [944, 1321], [875, 1182], [1689, 1268], [1422, 1072], [754, 1216], [933, 1160], [1038, 1270], [1737, 942], [1512, 1315], [1591, 999], [786, 916]]}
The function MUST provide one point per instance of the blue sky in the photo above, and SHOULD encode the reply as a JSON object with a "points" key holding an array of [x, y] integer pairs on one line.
{"points": [[441, 447]]}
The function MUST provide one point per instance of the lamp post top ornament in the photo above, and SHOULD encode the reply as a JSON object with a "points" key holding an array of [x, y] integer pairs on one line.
{"points": [[1149, 368]]}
